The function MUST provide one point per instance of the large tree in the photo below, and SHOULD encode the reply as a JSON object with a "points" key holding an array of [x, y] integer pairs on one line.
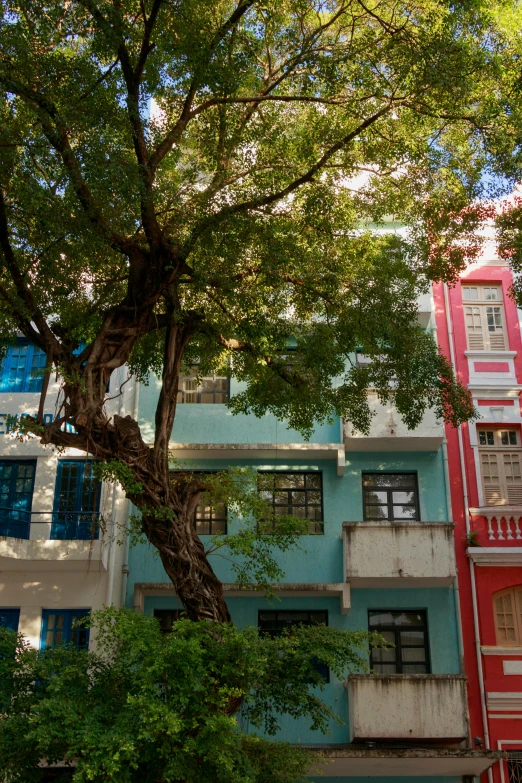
{"points": [[196, 181]]}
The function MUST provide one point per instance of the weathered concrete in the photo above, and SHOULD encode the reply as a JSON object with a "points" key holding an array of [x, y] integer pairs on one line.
{"points": [[407, 707], [399, 554], [388, 432]]}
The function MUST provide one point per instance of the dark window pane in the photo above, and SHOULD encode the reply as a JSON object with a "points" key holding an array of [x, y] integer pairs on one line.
{"points": [[296, 493], [410, 650], [390, 496]]}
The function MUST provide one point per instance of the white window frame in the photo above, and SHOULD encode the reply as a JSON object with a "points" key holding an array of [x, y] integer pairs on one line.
{"points": [[482, 302], [500, 451]]}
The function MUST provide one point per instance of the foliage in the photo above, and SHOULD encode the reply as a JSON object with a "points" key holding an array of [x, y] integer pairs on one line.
{"points": [[236, 188], [151, 708], [199, 182]]}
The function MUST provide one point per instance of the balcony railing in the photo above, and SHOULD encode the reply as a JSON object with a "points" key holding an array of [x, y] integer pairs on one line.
{"points": [[65, 525], [498, 524]]}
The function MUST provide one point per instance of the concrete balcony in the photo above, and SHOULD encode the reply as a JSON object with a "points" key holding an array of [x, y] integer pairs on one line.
{"points": [[399, 554], [17, 554], [389, 433], [399, 707], [42, 541]]}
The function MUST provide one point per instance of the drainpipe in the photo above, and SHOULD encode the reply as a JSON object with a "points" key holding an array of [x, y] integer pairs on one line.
{"points": [[471, 564], [125, 566], [449, 514]]}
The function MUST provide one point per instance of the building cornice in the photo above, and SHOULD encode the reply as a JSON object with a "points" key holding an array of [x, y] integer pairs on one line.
{"points": [[499, 556], [334, 451], [231, 590]]}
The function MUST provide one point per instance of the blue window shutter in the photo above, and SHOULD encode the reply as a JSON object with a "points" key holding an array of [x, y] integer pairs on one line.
{"points": [[16, 497], [9, 618], [57, 628], [76, 501], [22, 368]]}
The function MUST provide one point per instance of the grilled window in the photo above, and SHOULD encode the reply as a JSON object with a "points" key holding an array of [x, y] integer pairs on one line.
{"points": [[299, 494], [514, 767], [391, 496], [408, 633], [210, 519], [500, 464], [167, 618], [507, 609], [210, 389], [484, 317], [274, 622]]}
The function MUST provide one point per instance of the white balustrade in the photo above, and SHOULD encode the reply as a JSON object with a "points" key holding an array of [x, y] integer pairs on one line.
{"points": [[504, 526]]}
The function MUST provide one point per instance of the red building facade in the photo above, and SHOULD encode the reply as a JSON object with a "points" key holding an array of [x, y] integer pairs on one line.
{"points": [[478, 328]]}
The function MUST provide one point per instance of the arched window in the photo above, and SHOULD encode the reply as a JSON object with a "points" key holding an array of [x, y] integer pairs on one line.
{"points": [[507, 610]]}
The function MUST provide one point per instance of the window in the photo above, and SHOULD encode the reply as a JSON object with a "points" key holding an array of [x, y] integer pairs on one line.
{"points": [[500, 465], [9, 618], [515, 770], [207, 389], [209, 520], [274, 622], [408, 632], [16, 497], [76, 501], [167, 618], [484, 317], [391, 496], [57, 628], [507, 608], [22, 368], [299, 494]]}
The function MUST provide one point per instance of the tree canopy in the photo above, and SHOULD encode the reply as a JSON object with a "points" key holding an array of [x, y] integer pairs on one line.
{"points": [[147, 708], [196, 181]]}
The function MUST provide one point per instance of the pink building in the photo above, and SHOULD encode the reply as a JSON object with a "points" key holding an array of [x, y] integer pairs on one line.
{"points": [[478, 328]]}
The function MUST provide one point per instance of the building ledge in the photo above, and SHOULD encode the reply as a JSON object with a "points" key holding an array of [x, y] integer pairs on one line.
{"points": [[486, 650], [353, 761], [48, 555], [493, 555], [314, 451], [231, 590], [490, 354]]}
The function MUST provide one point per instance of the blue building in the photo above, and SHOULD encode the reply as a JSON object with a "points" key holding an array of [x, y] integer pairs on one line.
{"points": [[379, 556]]}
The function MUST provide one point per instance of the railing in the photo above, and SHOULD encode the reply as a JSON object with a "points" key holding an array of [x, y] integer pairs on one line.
{"points": [[503, 524], [65, 525]]}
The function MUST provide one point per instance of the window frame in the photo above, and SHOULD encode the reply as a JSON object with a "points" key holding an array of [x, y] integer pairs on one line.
{"points": [[483, 304], [158, 614], [12, 618], [396, 630], [60, 528], [26, 525], [515, 593], [195, 520], [321, 668], [389, 491], [315, 522], [70, 616], [499, 451], [199, 391], [27, 372]]}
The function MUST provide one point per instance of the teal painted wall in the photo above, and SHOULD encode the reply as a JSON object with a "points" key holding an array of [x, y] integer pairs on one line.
{"points": [[442, 631], [320, 559], [216, 423]]}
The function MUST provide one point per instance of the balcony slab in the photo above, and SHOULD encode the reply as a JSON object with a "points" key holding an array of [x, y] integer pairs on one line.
{"points": [[407, 707], [17, 554], [351, 761], [410, 554]]}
